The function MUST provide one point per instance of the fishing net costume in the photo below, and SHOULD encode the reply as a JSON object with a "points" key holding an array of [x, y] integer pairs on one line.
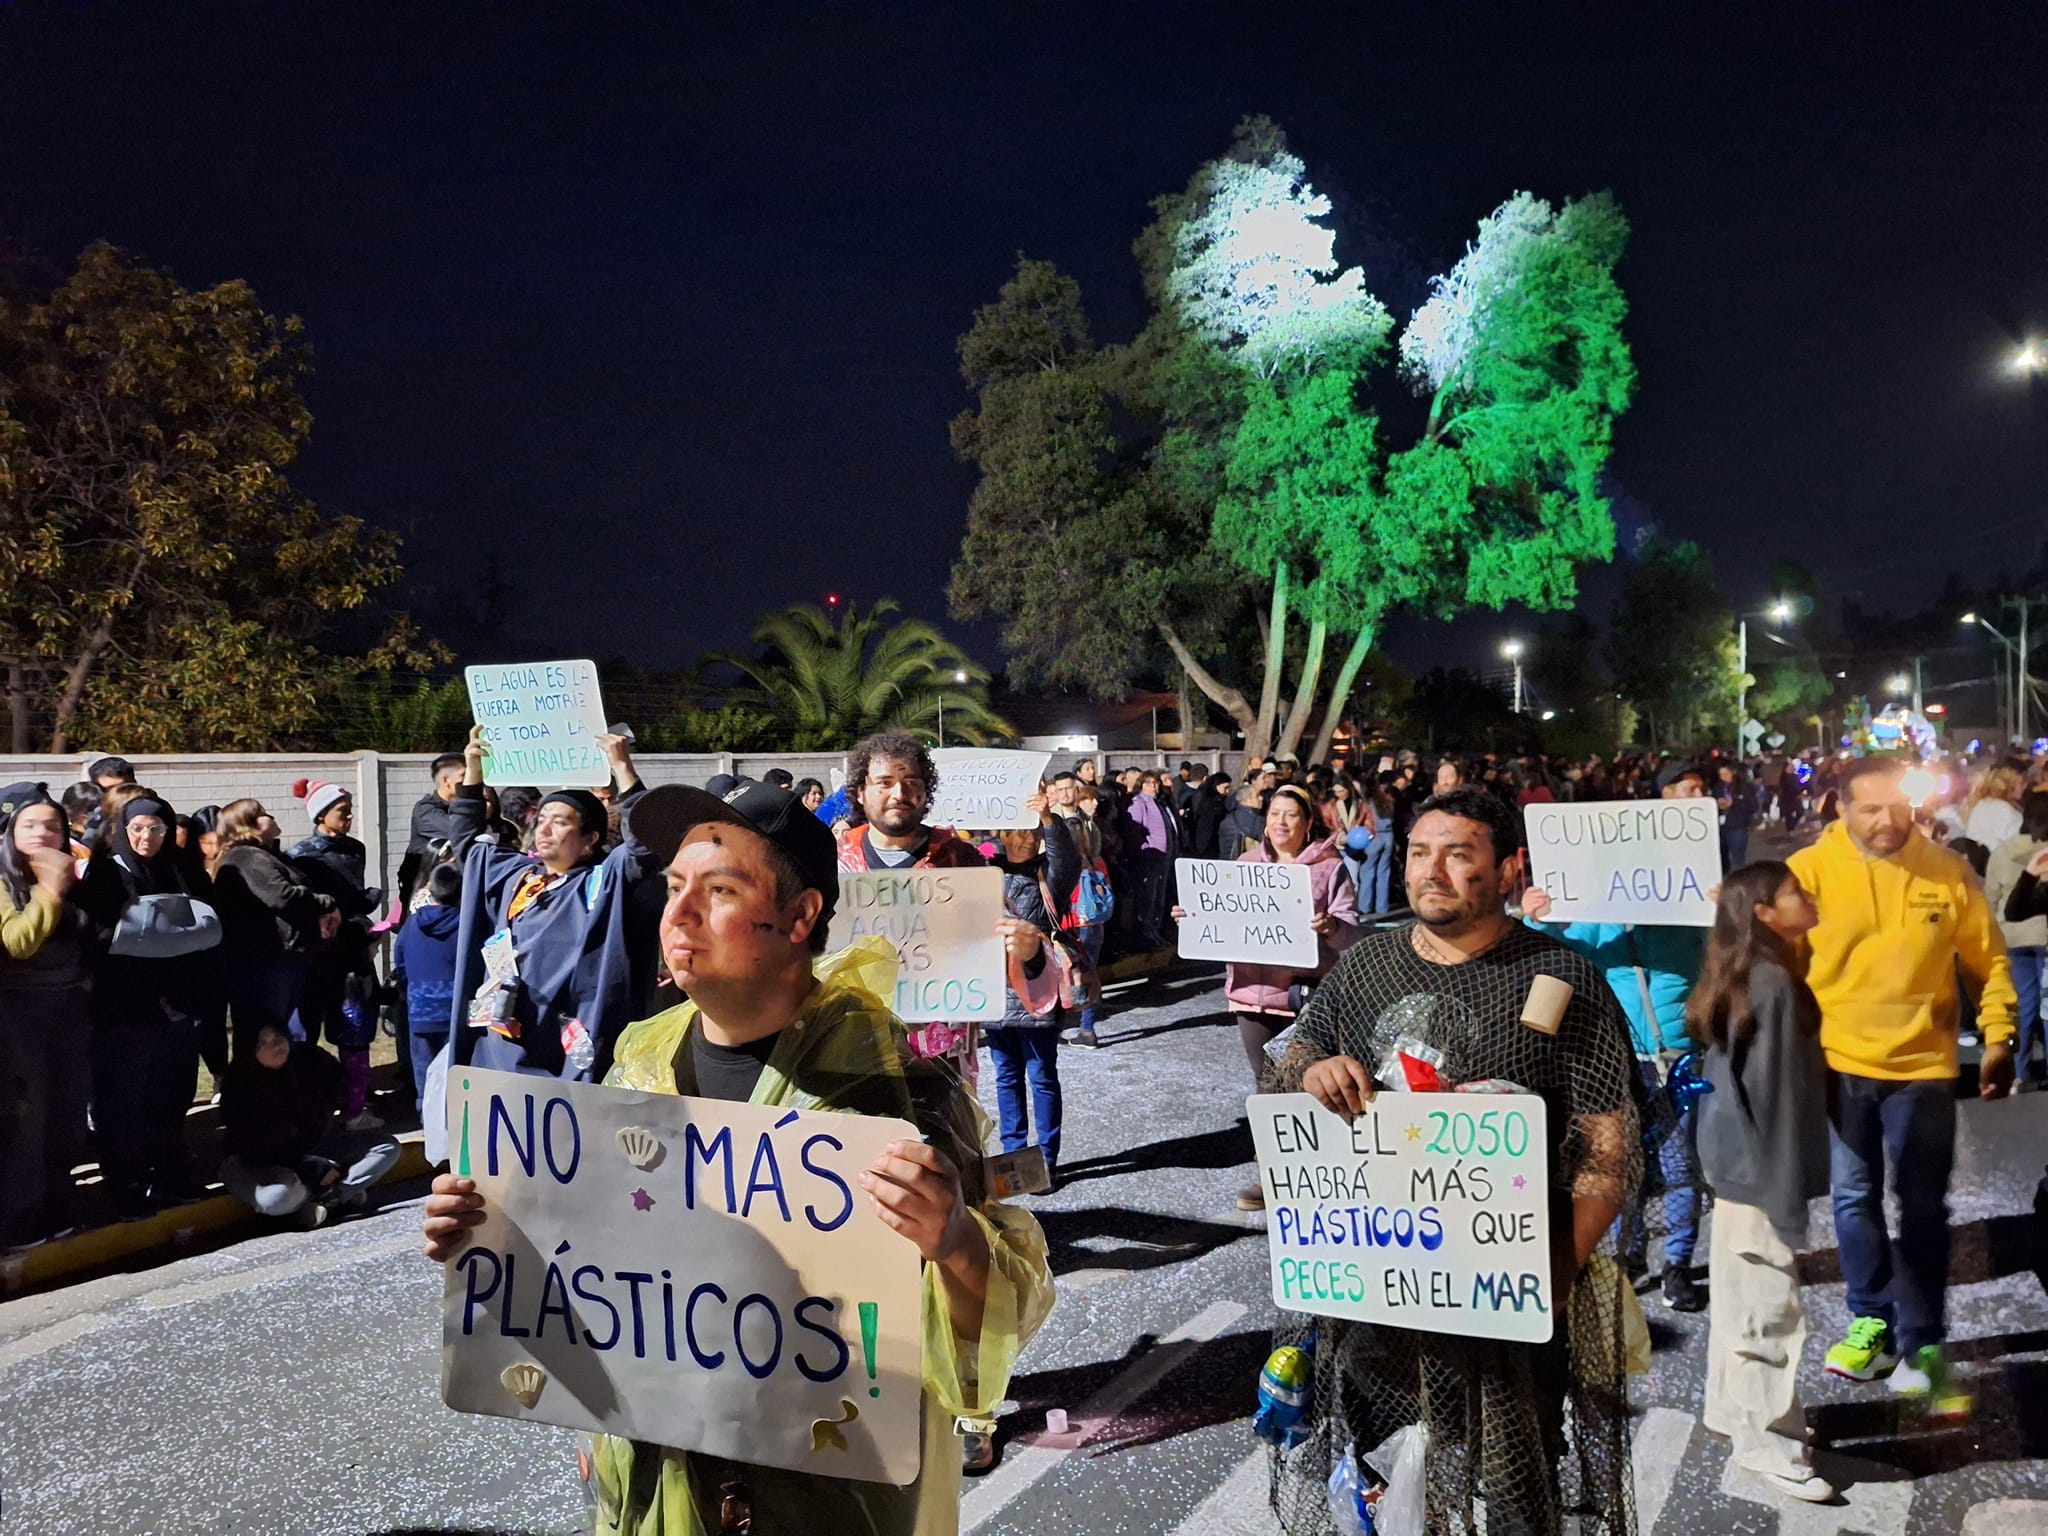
{"points": [[1520, 1436]]}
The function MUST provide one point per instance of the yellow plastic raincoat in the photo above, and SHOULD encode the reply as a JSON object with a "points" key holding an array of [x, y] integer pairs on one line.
{"points": [[846, 1052]]}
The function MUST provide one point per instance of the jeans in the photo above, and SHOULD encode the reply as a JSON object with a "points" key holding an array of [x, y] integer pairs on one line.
{"points": [[275, 1190], [264, 988], [1914, 1123], [1091, 940], [1734, 848], [1676, 1162], [1376, 874], [1024, 1054], [2028, 963], [424, 1046]]}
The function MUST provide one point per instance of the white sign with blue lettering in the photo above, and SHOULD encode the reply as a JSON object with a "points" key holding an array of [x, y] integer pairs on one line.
{"points": [[690, 1272], [1429, 1211], [1626, 861], [985, 790], [542, 720]]}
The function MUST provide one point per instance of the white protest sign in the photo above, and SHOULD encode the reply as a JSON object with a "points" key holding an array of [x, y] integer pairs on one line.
{"points": [[1626, 861], [985, 790], [542, 720], [950, 967], [689, 1272], [1252, 912], [1429, 1211]]}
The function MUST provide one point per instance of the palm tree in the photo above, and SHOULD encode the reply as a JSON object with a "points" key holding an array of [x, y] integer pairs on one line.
{"points": [[832, 684]]}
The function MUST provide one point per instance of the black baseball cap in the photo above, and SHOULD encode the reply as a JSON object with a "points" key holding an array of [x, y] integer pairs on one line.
{"points": [[660, 819], [1673, 772]]}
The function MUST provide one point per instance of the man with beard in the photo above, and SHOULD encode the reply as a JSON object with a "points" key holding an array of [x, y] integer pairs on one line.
{"points": [[1454, 982]]}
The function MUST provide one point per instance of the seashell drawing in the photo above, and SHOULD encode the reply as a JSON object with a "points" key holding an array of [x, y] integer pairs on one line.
{"points": [[642, 1148], [825, 1435], [524, 1381]]}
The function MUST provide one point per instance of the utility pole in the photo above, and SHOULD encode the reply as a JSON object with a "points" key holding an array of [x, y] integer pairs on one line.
{"points": [[1916, 683]]}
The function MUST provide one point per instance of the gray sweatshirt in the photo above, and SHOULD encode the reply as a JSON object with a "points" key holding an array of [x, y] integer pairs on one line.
{"points": [[1763, 1131]]}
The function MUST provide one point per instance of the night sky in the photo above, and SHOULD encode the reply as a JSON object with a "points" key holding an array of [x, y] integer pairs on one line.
{"points": [[659, 302]]}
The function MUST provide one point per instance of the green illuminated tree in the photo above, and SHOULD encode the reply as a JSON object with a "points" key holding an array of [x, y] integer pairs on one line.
{"points": [[1129, 492]]}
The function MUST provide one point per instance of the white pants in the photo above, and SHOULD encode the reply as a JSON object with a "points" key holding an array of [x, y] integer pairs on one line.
{"points": [[1756, 1331]]}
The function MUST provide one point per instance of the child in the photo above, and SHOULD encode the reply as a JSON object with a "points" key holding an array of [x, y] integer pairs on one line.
{"points": [[276, 1108], [340, 997], [425, 952], [1763, 1147]]}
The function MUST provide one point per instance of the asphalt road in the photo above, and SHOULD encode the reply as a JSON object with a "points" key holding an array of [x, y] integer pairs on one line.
{"points": [[288, 1384]]}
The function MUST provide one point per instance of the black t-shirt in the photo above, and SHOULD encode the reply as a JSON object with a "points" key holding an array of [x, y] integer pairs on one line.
{"points": [[729, 1071]]}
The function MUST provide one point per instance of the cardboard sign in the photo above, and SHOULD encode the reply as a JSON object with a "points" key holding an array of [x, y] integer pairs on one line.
{"points": [[949, 958], [986, 790], [1626, 861], [1253, 913], [690, 1272], [542, 720], [1429, 1211]]}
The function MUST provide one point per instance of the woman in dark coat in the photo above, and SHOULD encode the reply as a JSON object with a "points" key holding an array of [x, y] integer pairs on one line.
{"points": [[157, 977], [271, 921]]}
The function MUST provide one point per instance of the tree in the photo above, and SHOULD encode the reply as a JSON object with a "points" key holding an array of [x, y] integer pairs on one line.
{"points": [[829, 685], [1671, 643], [1131, 491], [162, 569]]}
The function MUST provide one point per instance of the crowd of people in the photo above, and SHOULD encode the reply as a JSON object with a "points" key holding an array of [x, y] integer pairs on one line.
{"points": [[1702, 1080]]}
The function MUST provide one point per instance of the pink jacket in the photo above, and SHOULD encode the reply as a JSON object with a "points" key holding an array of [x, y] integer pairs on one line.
{"points": [[1263, 988]]}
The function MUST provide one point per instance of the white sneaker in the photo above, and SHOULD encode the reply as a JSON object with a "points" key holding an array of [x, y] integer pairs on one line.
{"points": [[368, 1120], [1910, 1381], [1811, 1487]]}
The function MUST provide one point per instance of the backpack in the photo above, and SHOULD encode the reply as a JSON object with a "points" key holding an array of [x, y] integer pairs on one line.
{"points": [[1093, 900]]}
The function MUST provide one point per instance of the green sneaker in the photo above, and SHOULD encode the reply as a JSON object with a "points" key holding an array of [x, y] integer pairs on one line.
{"points": [[1866, 1354], [1926, 1380]]}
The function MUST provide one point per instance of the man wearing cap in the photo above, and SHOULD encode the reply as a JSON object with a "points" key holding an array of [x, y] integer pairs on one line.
{"points": [[752, 881], [547, 969]]}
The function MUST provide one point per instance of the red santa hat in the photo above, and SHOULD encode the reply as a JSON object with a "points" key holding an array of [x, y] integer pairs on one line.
{"points": [[318, 797]]}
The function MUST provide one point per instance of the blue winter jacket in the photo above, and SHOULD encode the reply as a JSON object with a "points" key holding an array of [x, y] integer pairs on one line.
{"points": [[426, 953], [1662, 960]]}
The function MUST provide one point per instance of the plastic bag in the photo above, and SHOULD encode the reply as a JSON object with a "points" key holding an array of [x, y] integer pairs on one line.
{"points": [[434, 1107], [1399, 1459], [1347, 1500]]}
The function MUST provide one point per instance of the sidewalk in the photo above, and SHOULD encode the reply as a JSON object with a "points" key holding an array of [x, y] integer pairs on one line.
{"points": [[169, 1233]]}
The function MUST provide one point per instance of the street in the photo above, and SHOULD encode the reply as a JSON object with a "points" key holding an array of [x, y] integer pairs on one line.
{"points": [[288, 1384]]}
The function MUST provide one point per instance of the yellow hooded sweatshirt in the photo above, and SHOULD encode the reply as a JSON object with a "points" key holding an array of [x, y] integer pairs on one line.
{"points": [[845, 1052], [1893, 935]]}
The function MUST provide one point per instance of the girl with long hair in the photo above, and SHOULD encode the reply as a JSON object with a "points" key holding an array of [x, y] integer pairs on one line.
{"points": [[1763, 1146]]}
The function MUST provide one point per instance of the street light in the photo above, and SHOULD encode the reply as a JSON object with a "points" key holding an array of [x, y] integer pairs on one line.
{"points": [[2011, 710], [1512, 649], [2032, 357], [1779, 612], [958, 677], [1898, 683]]}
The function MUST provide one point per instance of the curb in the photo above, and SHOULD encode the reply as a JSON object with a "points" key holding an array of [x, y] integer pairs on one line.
{"points": [[168, 1232], [164, 1233]]}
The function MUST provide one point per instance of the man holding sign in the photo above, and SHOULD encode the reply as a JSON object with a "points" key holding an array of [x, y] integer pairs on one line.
{"points": [[1466, 996], [752, 885]]}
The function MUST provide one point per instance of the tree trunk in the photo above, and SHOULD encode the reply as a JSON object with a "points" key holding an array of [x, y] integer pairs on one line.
{"points": [[75, 678], [1340, 693], [1276, 659], [1305, 692], [1184, 710], [1225, 697], [17, 706]]}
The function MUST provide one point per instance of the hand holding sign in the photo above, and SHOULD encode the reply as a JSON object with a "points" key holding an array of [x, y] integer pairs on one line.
{"points": [[542, 722]]}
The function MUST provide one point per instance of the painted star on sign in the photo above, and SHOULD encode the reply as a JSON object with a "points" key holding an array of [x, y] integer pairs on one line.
{"points": [[642, 1201], [1415, 1133]]}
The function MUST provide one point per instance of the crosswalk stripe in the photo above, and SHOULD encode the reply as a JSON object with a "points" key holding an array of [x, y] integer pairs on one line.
{"points": [[1660, 1443]]}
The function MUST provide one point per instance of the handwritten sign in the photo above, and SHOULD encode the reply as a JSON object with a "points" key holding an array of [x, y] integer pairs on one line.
{"points": [[1626, 861], [1253, 913], [1429, 1211], [542, 720], [986, 790], [949, 957], [689, 1272]]}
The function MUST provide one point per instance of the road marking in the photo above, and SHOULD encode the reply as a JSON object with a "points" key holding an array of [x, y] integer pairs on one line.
{"points": [[1024, 1466], [1240, 1507], [1877, 1501], [1659, 1447]]}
